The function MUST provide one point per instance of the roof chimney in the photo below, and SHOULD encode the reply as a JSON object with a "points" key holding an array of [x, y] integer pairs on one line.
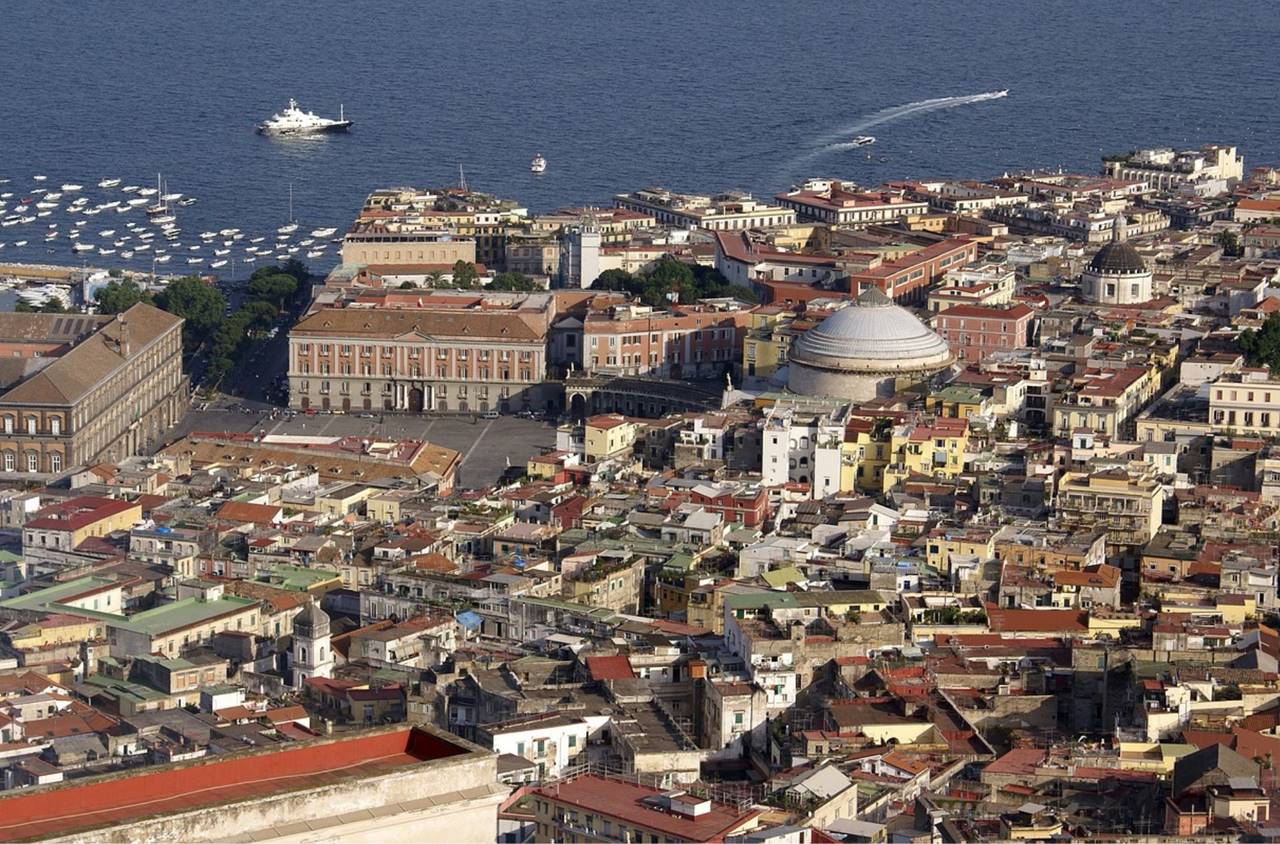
{"points": [[124, 336]]}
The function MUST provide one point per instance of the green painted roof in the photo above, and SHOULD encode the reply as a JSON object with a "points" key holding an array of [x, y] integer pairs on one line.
{"points": [[45, 599], [185, 613], [295, 578]]}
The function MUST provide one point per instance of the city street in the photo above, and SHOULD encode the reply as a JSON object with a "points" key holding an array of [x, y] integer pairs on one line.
{"points": [[488, 446]]}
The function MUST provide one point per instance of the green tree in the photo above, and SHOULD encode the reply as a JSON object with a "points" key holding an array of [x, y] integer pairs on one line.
{"points": [[615, 280], [407, 285], [435, 279], [119, 296], [257, 316], [298, 270], [53, 306], [1262, 347], [465, 276], [200, 304], [513, 281], [276, 289], [1229, 240]]}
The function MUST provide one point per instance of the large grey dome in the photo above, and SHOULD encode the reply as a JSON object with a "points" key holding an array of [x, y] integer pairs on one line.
{"points": [[871, 335], [1118, 257]]}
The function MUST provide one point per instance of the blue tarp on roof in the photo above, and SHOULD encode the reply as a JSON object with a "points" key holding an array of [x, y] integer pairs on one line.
{"points": [[470, 620]]}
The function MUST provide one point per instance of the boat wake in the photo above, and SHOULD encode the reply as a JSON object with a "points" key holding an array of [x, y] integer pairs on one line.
{"points": [[889, 115], [830, 141]]}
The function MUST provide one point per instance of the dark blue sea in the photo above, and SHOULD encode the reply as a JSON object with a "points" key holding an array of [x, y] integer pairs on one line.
{"points": [[697, 96]]}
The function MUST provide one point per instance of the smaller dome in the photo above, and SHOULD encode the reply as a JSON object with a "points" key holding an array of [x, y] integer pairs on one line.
{"points": [[1118, 257]]}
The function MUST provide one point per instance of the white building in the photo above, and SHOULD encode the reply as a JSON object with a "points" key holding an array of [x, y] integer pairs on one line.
{"points": [[312, 655], [1116, 275], [803, 446], [1166, 168], [552, 741]]}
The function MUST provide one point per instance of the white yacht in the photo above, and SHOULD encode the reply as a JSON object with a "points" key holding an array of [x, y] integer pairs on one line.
{"points": [[329, 232], [71, 187], [108, 183], [294, 121], [130, 189], [863, 140], [539, 164]]}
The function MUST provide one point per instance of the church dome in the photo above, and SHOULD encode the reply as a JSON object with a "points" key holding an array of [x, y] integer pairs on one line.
{"points": [[873, 334], [1117, 258]]}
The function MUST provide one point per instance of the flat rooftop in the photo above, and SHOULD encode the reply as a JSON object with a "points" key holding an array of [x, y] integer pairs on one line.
{"points": [[117, 799]]}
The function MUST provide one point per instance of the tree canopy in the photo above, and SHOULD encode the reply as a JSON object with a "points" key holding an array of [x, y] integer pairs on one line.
{"points": [[276, 288], [465, 276], [200, 304], [513, 281], [53, 306], [671, 282], [119, 296], [1262, 347]]}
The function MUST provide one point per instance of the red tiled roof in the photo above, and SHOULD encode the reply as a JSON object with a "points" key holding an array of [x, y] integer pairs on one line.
{"points": [[80, 805], [76, 513], [625, 801], [1036, 621], [239, 511], [617, 667]]}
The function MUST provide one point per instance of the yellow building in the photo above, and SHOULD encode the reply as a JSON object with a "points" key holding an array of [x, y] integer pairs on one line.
{"points": [[63, 526], [767, 340], [1103, 401], [957, 402], [384, 507], [1126, 502], [936, 450], [341, 499], [864, 455], [608, 435], [944, 544]]}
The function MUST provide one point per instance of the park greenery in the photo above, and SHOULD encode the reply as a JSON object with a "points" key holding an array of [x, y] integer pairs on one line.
{"points": [[687, 282], [226, 336], [270, 291]]}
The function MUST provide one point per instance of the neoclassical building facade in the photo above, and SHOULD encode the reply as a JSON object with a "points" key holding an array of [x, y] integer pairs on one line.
{"points": [[418, 360], [80, 389]]}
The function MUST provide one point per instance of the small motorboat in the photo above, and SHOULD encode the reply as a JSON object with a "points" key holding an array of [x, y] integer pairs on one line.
{"points": [[538, 165], [108, 183], [863, 140]]}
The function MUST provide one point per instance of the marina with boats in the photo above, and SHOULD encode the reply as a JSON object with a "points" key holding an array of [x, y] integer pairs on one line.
{"points": [[116, 224]]}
